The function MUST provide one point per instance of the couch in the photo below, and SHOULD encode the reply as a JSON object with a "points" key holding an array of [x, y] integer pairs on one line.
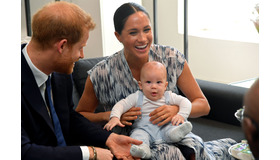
{"points": [[224, 101]]}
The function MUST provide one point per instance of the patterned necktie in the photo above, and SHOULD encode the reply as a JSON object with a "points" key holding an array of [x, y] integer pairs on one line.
{"points": [[57, 127]]}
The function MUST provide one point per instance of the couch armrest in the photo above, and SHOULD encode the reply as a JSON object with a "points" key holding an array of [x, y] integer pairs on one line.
{"points": [[224, 100]]}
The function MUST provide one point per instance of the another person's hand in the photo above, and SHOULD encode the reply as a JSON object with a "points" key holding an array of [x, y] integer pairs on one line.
{"points": [[120, 145], [112, 123], [163, 114], [130, 115], [177, 119]]}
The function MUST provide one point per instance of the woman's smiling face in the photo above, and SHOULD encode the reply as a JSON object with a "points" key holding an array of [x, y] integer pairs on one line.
{"points": [[136, 35]]}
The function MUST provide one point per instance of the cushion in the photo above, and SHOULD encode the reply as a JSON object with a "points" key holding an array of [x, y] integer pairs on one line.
{"points": [[224, 100], [80, 72], [210, 130]]}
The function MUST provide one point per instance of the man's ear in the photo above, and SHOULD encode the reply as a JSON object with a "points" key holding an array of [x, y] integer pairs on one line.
{"points": [[118, 36], [140, 85], [61, 45], [249, 129]]}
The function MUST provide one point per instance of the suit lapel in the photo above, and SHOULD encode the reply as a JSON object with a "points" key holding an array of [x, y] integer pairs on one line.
{"points": [[31, 92]]}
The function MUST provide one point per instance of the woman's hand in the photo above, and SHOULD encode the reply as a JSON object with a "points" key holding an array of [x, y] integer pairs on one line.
{"points": [[163, 114], [130, 115]]}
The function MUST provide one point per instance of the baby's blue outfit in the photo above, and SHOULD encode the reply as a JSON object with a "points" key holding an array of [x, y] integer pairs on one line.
{"points": [[149, 133]]}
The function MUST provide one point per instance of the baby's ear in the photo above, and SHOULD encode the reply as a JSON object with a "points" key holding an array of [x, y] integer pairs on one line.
{"points": [[166, 84], [140, 84]]}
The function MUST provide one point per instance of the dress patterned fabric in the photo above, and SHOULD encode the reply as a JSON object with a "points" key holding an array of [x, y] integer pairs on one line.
{"points": [[113, 81]]}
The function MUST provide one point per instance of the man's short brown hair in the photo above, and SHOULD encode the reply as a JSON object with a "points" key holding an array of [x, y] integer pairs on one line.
{"points": [[60, 20]]}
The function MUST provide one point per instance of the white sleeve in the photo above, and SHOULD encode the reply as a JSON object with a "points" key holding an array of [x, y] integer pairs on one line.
{"points": [[85, 152], [124, 105], [185, 106]]}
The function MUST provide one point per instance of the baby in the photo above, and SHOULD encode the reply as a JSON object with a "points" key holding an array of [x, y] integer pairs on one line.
{"points": [[153, 83]]}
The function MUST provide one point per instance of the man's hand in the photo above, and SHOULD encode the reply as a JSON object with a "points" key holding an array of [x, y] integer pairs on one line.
{"points": [[130, 115], [112, 123], [101, 153], [120, 145], [163, 114]]}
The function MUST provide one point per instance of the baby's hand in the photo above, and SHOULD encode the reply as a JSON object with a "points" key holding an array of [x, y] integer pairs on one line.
{"points": [[177, 119], [112, 123]]}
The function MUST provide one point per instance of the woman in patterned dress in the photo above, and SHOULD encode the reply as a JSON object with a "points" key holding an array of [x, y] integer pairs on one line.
{"points": [[116, 77]]}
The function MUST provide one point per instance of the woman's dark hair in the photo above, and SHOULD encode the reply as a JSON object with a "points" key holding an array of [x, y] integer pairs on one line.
{"points": [[123, 12]]}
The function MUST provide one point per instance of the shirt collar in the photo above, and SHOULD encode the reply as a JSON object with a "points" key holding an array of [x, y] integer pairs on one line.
{"points": [[40, 77]]}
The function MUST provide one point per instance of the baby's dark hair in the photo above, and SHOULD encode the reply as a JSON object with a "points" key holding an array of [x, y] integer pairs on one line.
{"points": [[123, 12]]}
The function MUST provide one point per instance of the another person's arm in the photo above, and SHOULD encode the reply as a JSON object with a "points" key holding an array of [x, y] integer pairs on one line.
{"points": [[90, 133]]}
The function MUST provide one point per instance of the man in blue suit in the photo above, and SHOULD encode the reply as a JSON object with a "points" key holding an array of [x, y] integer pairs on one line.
{"points": [[50, 128]]}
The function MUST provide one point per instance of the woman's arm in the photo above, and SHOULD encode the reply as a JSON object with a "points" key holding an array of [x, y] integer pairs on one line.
{"points": [[88, 103], [188, 85]]}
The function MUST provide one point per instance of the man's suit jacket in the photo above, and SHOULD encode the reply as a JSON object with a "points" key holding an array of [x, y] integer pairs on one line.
{"points": [[38, 140]]}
